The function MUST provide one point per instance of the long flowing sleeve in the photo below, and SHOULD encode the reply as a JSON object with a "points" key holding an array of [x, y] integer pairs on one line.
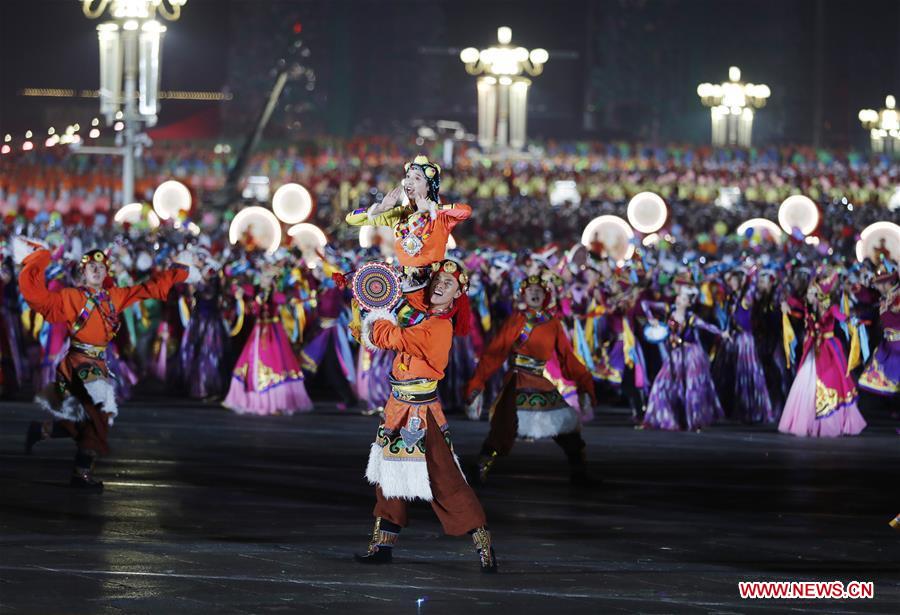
{"points": [[360, 217], [572, 368], [798, 308], [647, 307], [496, 352], [54, 306], [157, 287], [705, 326]]}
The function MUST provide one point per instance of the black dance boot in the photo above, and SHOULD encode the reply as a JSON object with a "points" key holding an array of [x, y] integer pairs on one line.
{"points": [[43, 431], [574, 447], [37, 431], [83, 472], [485, 549], [381, 546]]}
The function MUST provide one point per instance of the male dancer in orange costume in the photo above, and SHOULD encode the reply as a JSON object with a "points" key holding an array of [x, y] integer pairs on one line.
{"points": [[412, 456], [82, 400], [529, 405]]}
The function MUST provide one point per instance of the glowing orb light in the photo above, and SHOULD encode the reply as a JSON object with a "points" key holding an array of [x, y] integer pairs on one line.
{"points": [[614, 235], [647, 212], [292, 203], [800, 212], [262, 225], [170, 198]]}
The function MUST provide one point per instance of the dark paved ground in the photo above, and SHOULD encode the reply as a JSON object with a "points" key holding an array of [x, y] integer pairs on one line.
{"points": [[207, 512]]}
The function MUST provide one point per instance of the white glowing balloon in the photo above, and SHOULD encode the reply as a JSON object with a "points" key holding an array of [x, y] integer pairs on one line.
{"points": [[763, 225], [171, 197], [308, 237], [647, 212], [260, 223], [614, 233], [860, 251], [129, 214], [651, 240], [800, 212], [133, 213], [878, 238], [292, 203]]}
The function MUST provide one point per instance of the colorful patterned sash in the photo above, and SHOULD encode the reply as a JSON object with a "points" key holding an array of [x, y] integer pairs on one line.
{"points": [[93, 301], [532, 319], [408, 316]]}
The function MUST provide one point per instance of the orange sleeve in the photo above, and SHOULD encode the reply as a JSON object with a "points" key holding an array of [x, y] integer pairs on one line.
{"points": [[455, 214], [157, 287], [416, 299], [493, 356], [572, 368], [52, 305], [431, 338]]}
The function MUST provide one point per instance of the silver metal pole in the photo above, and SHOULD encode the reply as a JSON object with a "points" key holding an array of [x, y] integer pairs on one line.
{"points": [[131, 117]]}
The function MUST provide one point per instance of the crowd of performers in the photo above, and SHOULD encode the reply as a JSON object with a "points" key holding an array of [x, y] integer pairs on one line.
{"points": [[763, 334]]}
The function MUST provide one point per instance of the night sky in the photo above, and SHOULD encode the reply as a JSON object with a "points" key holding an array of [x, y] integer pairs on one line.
{"points": [[622, 68]]}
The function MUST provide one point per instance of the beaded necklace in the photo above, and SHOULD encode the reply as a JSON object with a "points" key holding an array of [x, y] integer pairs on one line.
{"points": [[413, 231]]}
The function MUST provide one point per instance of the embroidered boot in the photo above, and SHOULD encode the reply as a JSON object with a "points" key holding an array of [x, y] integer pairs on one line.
{"points": [[83, 472], [381, 546], [486, 461], [485, 549]]}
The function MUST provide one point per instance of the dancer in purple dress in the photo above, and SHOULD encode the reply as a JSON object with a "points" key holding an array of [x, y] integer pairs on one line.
{"points": [[204, 343], [882, 374], [746, 393], [327, 358], [683, 396]]}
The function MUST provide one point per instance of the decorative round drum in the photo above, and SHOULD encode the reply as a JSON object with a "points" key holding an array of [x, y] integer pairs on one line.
{"points": [[656, 334], [376, 286]]}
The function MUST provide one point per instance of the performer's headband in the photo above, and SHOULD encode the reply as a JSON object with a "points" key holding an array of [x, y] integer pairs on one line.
{"points": [[95, 256], [455, 269]]}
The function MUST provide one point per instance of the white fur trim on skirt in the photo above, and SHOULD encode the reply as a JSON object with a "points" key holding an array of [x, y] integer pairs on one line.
{"points": [[407, 480], [546, 423], [102, 391]]}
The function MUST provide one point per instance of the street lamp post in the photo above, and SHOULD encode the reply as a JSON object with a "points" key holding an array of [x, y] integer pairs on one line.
{"points": [[502, 89], [130, 51], [732, 105], [883, 127]]}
